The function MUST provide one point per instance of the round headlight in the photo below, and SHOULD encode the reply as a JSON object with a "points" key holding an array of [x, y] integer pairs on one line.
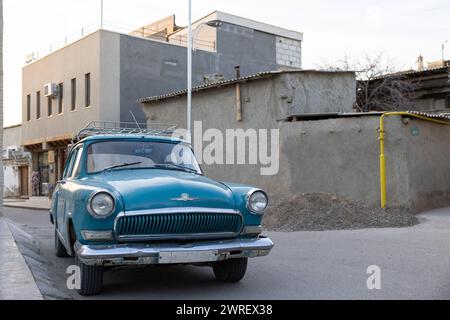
{"points": [[257, 202], [101, 205]]}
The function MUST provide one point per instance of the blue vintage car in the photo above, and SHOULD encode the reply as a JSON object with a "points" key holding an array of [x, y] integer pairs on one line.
{"points": [[141, 199]]}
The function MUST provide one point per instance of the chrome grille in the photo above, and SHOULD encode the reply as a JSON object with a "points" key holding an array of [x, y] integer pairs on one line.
{"points": [[166, 225]]}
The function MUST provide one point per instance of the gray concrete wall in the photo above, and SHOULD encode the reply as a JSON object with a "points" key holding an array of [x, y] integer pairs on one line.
{"points": [[150, 68], [264, 101], [255, 42], [216, 107], [336, 155], [342, 156], [428, 154], [316, 92], [73, 61], [252, 50]]}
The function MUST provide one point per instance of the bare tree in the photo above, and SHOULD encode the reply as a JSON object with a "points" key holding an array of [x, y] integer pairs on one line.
{"points": [[380, 87]]}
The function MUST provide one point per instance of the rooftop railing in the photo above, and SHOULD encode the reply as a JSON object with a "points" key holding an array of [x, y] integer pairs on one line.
{"points": [[142, 32], [126, 128]]}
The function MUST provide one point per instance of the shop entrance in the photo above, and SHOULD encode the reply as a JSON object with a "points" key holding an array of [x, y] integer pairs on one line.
{"points": [[44, 174], [23, 176]]}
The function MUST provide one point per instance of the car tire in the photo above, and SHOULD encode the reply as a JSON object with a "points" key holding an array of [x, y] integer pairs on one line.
{"points": [[232, 270], [91, 279], [60, 250]]}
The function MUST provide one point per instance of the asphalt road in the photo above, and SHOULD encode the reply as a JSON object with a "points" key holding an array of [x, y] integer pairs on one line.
{"points": [[414, 263]]}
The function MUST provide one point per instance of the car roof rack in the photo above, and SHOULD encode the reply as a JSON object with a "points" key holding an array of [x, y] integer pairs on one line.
{"points": [[95, 128]]}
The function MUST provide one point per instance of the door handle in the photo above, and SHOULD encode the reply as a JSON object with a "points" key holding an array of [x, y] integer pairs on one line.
{"points": [[61, 182]]}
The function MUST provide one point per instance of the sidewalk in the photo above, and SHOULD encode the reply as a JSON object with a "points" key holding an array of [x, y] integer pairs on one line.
{"points": [[16, 280], [38, 203]]}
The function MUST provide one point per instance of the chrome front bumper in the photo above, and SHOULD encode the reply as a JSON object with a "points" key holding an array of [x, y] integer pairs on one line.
{"points": [[169, 253]]}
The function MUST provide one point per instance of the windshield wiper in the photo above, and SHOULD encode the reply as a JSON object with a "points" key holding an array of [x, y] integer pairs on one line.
{"points": [[176, 167], [126, 164]]}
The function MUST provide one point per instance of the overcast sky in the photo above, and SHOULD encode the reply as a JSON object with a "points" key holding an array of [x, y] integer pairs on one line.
{"points": [[402, 29]]}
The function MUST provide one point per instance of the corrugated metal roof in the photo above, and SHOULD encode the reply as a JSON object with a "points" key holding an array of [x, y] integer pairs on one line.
{"points": [[255, 76], [329, 115], [412, 72], [438, 115]]}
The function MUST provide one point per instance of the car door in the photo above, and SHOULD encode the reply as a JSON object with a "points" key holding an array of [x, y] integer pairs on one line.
{"points": [[62, 192]]}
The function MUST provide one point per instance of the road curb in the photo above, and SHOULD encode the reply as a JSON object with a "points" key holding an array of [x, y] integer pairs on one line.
{"points": [[16, 278], [25, 207]]}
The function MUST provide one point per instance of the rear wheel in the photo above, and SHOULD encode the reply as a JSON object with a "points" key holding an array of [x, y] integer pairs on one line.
{"points": [[232, 270], [60, 250], [91, 279]]}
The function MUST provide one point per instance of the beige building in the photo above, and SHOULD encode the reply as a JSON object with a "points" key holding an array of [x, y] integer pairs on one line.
{"points": [[62, 92]]}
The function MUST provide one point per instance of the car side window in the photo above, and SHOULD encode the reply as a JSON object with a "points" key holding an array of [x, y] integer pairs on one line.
{"points": [[70, 163], [77, 163]]}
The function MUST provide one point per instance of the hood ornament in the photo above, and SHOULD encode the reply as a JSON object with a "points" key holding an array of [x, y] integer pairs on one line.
{"points": [[184, 197]]}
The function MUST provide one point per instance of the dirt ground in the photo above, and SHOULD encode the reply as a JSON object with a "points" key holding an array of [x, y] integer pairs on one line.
{"points": [[322, 211]]}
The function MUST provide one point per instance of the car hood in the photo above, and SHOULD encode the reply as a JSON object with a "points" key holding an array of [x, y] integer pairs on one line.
{"points": [[145, 189]]}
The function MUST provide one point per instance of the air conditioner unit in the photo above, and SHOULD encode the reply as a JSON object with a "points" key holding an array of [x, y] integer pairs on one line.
{"points": [[10, 152], [51, 90]]}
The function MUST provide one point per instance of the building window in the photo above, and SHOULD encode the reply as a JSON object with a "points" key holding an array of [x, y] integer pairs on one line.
{"points": [[49, 106], [60, 98], [38, 105], [73, 95], [87, 83], [29, 107]]}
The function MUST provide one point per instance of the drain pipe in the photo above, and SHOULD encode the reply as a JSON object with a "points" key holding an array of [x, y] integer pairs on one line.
{"points": [[238, 95], [382, 154]]}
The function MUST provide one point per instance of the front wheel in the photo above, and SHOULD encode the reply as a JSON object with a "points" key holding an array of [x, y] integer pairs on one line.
{"points": [[91, 279], [232, 270], [60, 250]]}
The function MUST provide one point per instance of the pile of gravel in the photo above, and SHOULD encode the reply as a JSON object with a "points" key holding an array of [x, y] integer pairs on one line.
{"points": [[323, 211]]}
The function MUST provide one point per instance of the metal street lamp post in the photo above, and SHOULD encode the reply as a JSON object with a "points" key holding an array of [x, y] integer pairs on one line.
{"points": [[189, 76], [191, 37], [101, 14]]}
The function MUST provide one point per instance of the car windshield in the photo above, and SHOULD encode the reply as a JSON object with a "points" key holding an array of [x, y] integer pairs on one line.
{"points": [[130, 154]]}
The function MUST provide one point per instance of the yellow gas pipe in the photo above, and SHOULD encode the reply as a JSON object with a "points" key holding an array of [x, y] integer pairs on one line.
{"points": [[382, 156]]}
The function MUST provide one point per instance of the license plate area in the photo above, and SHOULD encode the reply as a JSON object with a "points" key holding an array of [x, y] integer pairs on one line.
{"points": [[188, 256]]}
